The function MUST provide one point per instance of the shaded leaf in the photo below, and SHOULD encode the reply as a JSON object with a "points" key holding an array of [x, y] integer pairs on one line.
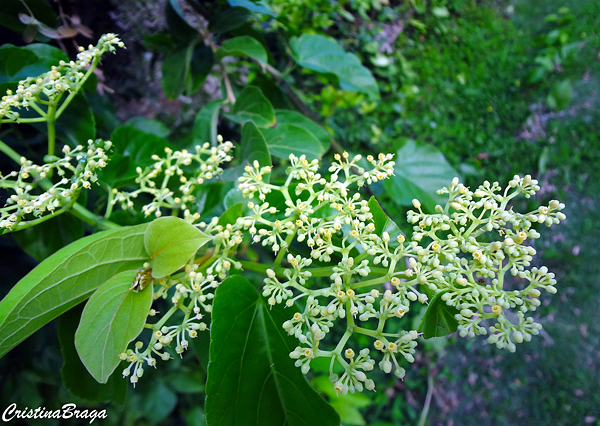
{"points": [[149, 125], [439, 318], [175, 70], [75, 376], [251, 378], [205, 123], [252, 105], [420, 171], [179, 28], [161, 43], [200, 67], [76, 124], [229, 20], [243, 46], [254, 6], [293, 117], [65, 279], [289, 138], [171, 242], [50, 236], [383, 223], [132, 148], [324, 55], [231, 215]]}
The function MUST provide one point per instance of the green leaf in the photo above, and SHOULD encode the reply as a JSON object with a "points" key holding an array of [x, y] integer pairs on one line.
{"points": [[77, 124], [252, 105], [132, 148], [149, 125], [175, 70], [14, 62], [229, 20], [205, 124], [251, 378], [50, 236], [254, 6], [243, 46], [383, 223], [161, 43], [67, 278], [560, 96], [254, 148], [75, 376], [113, 317], [160, 402], [324, 55], [288, 138], [179, 28], [186, 380], [201, 65], [231, 215], [171, 242], [439, 318], [292, 117], [420, 171], [346, 405]]}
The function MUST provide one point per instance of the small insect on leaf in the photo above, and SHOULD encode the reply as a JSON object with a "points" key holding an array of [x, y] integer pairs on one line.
{"points": [[141, 280]]}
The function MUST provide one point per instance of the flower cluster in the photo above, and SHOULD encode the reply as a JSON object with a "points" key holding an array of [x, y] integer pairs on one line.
{"points": [[187, 168], [49, 87], [77, 169], [461, 254]]}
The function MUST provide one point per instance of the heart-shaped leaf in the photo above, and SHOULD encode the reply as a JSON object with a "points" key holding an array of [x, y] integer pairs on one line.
{"points": [[171, 242]]}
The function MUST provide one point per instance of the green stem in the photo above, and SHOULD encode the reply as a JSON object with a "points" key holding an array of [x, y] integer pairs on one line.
{"points": [[165, 317], [72, 95], [283, 250], [10, 152], [374, 281], [25, 120], [40, 111], [109, 204], [259, 267], [93, 219], [51, 129]]}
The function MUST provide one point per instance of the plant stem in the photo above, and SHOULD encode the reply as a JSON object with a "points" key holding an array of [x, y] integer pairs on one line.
{"points": [[10, 152], [427, 399], [51, 129]]}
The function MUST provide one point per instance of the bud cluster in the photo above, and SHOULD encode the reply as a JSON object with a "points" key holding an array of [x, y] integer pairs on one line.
{"points": [[77, 169], [49, 87], [188, 170]]}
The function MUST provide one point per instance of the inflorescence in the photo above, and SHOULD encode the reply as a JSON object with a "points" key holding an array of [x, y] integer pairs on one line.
{"points": [[77, 169], [48, 88], [463, 252]]}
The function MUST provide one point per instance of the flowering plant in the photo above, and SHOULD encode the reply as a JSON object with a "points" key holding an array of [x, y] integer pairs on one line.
{"points": [[334, 266]]}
